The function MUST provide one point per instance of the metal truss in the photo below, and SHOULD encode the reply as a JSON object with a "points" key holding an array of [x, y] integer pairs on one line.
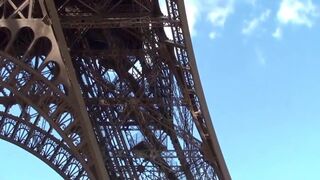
{"points": [[105, 89]]}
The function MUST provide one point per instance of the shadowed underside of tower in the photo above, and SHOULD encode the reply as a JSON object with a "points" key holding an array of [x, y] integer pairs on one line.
{"points": [[105, 89]]}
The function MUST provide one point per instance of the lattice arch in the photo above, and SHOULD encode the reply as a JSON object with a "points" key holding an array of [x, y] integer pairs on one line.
{"points": [[46, 147], [33, 83], [39, 122]]}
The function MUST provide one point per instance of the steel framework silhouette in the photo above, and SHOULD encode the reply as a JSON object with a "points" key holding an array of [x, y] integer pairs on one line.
{"points": [[105, 89]]}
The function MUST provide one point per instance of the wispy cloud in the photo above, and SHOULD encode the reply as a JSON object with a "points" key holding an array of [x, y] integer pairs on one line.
{"points": [[218, 13], [277, 33], [261, 57], [251, 2], [193, 13], [298, 12], [253, 24], [213, 35]]}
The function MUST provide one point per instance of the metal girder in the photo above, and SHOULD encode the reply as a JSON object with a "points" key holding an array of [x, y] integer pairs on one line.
{"points": [[105, 23], [211, 137], [38, 74], [94, 149]]}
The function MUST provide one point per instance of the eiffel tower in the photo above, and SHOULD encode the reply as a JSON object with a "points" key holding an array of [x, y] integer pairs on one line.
{"points": [[105, 89]]}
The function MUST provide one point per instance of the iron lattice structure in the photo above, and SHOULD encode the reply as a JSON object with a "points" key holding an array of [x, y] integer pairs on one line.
{"points": [[105, 89]]}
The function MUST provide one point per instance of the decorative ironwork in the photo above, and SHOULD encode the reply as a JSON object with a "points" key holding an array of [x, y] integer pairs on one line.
{"points": [[101, 89]]}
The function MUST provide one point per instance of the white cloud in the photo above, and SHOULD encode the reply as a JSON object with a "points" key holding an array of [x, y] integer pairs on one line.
{"points": [[298, 12], [261, 57], [193, 13], [219, 13], [251, 2], [277, 33], [216, 11], [163, 7], [213, 35], [255, 22]]}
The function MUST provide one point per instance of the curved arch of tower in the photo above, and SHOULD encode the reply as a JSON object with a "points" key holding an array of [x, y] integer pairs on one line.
{"points": [[105, 89]]}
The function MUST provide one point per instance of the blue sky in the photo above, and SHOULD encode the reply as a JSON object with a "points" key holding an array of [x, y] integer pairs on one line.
{"points": [[259, 65], [260, 70]]}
